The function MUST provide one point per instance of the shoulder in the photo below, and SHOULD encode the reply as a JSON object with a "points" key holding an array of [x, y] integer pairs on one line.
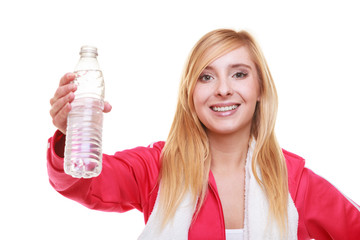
{"points": [[324, 210], [157, 145], [292, 158], [295, 164], [295, 167]]}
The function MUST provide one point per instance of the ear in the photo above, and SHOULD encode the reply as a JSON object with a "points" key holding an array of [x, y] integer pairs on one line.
{"points": [[258, 98], [258, 95]]}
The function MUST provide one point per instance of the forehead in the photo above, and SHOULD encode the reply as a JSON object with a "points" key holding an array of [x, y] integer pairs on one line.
{"points": [[239, 56]]}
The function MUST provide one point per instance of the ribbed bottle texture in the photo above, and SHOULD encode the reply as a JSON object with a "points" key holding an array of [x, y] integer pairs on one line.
{"points": [[83, 147]]}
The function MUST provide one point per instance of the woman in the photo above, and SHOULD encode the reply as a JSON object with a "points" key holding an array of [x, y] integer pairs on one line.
{"points": [[221, 173]]}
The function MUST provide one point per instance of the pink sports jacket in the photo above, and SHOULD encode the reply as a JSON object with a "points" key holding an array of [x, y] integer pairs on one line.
{"points": [[129, 180]]}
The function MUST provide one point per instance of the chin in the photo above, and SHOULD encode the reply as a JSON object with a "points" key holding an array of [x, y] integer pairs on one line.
{"points": [[222, 131], [230, 129]]}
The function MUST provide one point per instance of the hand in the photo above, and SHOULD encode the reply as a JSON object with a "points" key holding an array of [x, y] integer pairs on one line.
{"points": [[61, 102]]}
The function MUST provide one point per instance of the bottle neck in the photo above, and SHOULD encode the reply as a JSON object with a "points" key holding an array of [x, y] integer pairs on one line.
{"points": [[88, 61]]}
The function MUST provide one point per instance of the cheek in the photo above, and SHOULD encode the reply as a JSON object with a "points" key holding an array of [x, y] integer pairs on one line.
{"points": [[199, 96], [254, 89], [249, 92]]}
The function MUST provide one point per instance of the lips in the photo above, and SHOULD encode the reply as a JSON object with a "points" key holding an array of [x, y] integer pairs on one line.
{"points": [[224, 108]]}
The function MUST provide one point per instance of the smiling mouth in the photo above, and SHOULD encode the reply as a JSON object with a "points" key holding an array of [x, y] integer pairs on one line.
{"points": [[225, 109]]}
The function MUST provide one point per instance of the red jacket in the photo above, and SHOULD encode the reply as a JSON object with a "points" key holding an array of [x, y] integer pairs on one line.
{"points": [[129, 180]]}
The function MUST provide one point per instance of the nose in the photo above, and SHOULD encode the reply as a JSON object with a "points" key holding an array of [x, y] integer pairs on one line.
{"points": [[224, 87]]}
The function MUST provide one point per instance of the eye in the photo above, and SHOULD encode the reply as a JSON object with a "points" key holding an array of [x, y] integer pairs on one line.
{"points": [[240, 75], [205, 77]]}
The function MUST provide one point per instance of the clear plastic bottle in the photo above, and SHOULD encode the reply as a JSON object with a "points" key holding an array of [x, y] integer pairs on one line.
{"points": [[83, 147]]}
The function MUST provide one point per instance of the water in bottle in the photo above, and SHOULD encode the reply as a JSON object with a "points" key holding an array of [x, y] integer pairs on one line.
{"points": [[83, 147]]}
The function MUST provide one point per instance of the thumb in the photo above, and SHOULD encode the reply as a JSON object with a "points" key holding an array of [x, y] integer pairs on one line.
{"points": [[107, 107]]}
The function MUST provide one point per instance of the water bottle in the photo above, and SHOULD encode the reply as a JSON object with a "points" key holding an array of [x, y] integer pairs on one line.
{"points": [[83, 146]]}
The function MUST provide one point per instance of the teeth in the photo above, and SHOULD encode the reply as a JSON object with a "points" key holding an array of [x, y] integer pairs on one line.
{"points": [[224, 109]]}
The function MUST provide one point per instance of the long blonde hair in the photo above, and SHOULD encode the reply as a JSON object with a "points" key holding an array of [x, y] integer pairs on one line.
{"points": [[185, 162]]}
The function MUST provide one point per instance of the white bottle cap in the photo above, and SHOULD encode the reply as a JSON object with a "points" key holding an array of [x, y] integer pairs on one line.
{"points": [[88, 49]]}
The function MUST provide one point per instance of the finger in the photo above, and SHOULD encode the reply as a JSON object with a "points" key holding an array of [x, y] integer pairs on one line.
{"points": [[107, 107], [67, 78], [62, 91], [60, 103], [60, 119]]}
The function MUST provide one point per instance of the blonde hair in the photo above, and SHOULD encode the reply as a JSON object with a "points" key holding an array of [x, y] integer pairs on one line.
{"points": [[185, 161]]}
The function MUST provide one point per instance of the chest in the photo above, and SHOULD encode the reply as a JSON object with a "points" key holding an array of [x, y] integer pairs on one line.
{"points": [[231, 191], [215, 214]]}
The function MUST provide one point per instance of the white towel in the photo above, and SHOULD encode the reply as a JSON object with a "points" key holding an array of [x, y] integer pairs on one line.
{"points": [[176, 229], [256, 224]]}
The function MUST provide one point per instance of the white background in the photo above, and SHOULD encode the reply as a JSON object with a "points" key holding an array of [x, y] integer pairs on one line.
{"points": [[312, 48]]}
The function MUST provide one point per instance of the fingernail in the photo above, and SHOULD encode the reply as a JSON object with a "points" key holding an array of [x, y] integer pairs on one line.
{"points": [[70, 75]]}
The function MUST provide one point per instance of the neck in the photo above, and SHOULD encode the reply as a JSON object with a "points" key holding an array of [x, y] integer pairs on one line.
{"points": [[228, 152]]}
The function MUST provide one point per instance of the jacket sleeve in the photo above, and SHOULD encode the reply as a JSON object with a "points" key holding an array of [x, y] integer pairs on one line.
{"points": [[126, 180], [328, 214]]}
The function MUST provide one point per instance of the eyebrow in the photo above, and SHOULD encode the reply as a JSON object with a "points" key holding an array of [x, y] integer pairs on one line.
{"points": [[236, 65], [240, 65]]}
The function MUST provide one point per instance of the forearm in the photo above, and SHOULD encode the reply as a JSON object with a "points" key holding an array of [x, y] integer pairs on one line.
{"points": [[125, 182]]}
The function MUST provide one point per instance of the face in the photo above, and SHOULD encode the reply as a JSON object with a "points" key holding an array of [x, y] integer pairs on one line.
{"points": [[226, 93]]}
